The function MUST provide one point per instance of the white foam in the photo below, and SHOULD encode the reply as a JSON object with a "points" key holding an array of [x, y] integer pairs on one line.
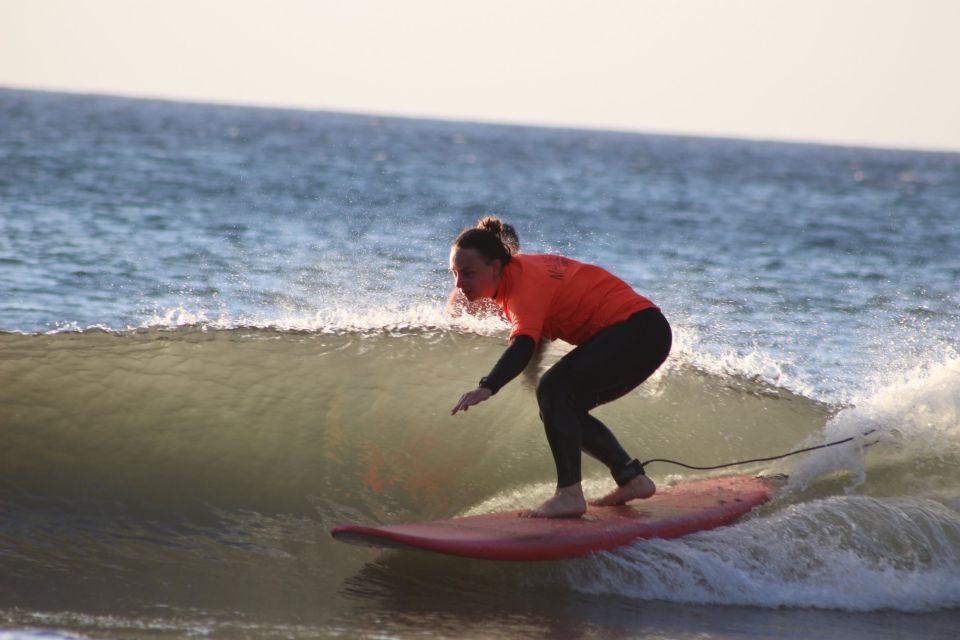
{"points": [[915, 416], [922, 403], [336, 319], [847, 553], [752, 364], [37, 634]]}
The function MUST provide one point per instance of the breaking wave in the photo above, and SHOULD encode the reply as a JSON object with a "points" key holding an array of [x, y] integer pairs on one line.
{"points": [[210, 449]]}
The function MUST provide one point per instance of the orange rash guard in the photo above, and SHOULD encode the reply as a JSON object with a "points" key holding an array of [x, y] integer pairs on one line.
{"points": [[555, 297]]}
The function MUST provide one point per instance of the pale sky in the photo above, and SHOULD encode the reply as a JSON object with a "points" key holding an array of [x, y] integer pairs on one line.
{"points": [[874, 72]]}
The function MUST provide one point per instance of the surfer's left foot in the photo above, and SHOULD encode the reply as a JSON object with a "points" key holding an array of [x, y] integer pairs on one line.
{"points": [[638, 488], [567, 502]]}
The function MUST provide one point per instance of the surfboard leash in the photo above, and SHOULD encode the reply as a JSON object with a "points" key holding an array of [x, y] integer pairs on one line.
{"points": [[771, 458]]}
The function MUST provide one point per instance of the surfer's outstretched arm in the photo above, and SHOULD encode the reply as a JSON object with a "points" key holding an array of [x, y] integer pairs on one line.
{"points": [[511, 363]]}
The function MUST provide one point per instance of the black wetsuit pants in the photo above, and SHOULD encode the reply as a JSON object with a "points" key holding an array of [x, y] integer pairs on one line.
{"points": [[604, 368]]}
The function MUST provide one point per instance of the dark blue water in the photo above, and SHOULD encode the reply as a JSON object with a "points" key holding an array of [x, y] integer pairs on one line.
{"points": [[272, 285]]}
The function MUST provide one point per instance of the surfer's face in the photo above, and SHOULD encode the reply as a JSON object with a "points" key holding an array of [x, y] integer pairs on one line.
{"points": [[473, 275]]}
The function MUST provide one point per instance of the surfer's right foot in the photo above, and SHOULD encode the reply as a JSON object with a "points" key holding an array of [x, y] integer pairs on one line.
{"points": [[638, 488], [567, 502]]}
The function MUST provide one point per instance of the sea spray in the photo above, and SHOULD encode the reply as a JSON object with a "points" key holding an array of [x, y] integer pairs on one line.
{"points": [[847, 553]]}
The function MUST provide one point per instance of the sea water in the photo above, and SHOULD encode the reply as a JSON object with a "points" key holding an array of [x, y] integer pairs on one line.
{"points": [[222, 332]]}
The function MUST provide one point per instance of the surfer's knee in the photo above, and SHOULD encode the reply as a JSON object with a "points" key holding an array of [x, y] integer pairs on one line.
{"points": [[552, 390]]}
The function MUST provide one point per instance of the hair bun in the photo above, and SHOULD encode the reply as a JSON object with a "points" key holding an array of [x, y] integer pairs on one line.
{"points": [[491, 224], [493, 239]]}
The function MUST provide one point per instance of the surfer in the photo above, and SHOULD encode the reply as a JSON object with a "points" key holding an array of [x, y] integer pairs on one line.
{"points": [[620, 339]]}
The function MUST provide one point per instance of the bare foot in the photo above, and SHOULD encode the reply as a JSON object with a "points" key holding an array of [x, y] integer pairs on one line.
{"points": [[637, 489], [567, 502]]}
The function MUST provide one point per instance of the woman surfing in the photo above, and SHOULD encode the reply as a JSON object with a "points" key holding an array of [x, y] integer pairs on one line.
{"points": [[620, 339]]}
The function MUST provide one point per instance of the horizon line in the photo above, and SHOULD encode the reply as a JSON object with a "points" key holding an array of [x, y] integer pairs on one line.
{"points": [[519, 122]]}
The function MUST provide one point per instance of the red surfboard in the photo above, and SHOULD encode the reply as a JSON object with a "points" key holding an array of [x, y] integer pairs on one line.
{"points": [[674, 511]]}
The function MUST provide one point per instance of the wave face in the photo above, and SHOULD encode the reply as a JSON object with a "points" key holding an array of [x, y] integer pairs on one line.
{"points": [[295, 422], [215, 460]]}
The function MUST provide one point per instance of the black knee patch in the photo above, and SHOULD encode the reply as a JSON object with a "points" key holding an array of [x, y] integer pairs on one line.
{"points": [[629, 471]]}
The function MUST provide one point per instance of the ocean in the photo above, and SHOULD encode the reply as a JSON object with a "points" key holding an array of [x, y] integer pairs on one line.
{"points": [[222, 332]]}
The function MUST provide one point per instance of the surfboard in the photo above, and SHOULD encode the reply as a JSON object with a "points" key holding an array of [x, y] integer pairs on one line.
{"points": [[674, 511]]}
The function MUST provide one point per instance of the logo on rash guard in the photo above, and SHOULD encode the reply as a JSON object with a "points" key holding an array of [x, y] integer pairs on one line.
{"points": [[557, 266]]}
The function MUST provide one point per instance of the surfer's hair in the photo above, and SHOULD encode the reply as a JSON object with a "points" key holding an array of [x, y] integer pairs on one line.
{"points": [[491, 238]]}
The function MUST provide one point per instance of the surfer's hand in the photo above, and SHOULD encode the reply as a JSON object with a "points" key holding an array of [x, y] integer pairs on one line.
{"points": [[471, 398]]}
